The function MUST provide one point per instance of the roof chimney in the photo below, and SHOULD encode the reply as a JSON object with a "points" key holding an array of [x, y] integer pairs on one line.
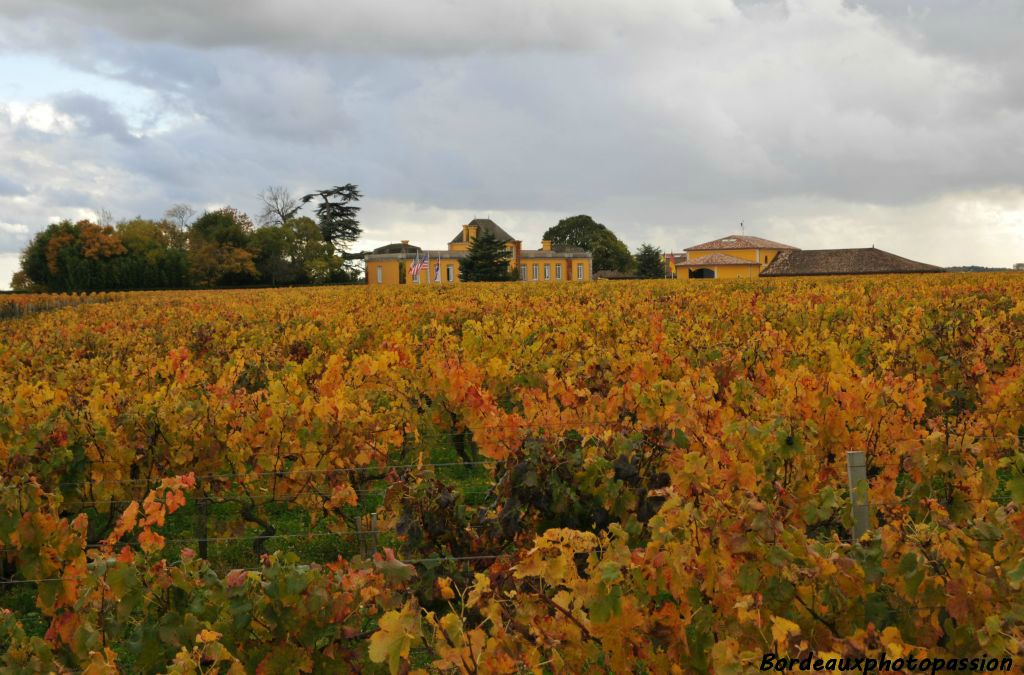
{"points": [[545, 245]]}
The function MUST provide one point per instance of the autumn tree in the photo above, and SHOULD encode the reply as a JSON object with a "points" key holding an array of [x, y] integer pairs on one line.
{"points": [[217, 250], [70, 257]]}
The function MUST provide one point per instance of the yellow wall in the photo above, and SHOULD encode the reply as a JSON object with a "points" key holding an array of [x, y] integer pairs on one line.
{"points": [[721, 272], [764, 255], [568, 264], [586, 268], [426, 277], [744, 253], [390, 275], [388, 272], [736, 271]]}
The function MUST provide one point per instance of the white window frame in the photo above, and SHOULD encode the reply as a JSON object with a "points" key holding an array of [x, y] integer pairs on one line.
{"points": [[536, 271], [380, 274], [450, 273], [547, 271], [579, 271], [558, 271], [524, 275]]}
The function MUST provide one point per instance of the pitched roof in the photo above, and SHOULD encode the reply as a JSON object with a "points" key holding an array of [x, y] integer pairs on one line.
{"points": [[485, 225], [675, 258], [396, 248], [712, 259], [738, 241], [416, 255], [842, 261]]}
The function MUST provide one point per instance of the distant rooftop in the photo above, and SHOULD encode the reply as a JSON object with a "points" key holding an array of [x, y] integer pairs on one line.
{"points": [[403, 247], [740, 241], [484, 225], [843, 261], [716, 259]]}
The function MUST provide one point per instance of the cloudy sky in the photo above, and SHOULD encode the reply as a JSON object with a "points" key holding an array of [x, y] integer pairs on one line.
{"points": [[820, 123]]}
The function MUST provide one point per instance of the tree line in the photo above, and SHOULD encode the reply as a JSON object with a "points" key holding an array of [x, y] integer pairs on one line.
{"points": [[223, 247]]}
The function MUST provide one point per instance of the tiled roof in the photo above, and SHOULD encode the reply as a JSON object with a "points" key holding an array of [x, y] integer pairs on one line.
{"points": [[485, 225], [842, 261], [712, 259], [397, 248], [738, 241]]}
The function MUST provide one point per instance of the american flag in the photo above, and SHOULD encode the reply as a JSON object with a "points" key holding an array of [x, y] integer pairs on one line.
{"points": [[416, 267]]}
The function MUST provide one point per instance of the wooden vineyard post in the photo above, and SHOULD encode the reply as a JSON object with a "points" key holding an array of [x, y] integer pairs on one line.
{"points": [[373, 529], [860, 510]]}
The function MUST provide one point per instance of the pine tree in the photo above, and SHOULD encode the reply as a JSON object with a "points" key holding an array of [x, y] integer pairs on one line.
{"points": [[650, 262], [488, 260]]}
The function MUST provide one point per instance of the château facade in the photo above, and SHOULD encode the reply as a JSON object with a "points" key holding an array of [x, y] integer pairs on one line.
{"points": [[396, 264]]}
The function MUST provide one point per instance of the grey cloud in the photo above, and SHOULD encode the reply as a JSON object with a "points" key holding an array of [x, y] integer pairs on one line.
{"points": [[670, 123], [8, 188], [64, 197], [94, 116], [434, 27]]}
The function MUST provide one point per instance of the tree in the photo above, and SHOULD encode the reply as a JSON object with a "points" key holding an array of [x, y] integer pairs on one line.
{"points": [[225, 226], [293, 253], [608, 251], [278, 206], [156, 255], [181, 215], [488, 260], [218, 248], [337, 215], [84, 256], [268, 247], [22, 284], [650, 262], [306, 249], [1019, 267]]}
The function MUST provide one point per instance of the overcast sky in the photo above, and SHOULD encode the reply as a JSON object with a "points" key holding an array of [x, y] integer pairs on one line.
{"points": [[819, 123]]}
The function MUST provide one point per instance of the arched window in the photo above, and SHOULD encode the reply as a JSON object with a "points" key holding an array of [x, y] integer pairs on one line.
{"points": [[702, 273]]}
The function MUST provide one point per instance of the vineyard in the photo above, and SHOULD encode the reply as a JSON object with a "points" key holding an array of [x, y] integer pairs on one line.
{"points": [[636, 477]]}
